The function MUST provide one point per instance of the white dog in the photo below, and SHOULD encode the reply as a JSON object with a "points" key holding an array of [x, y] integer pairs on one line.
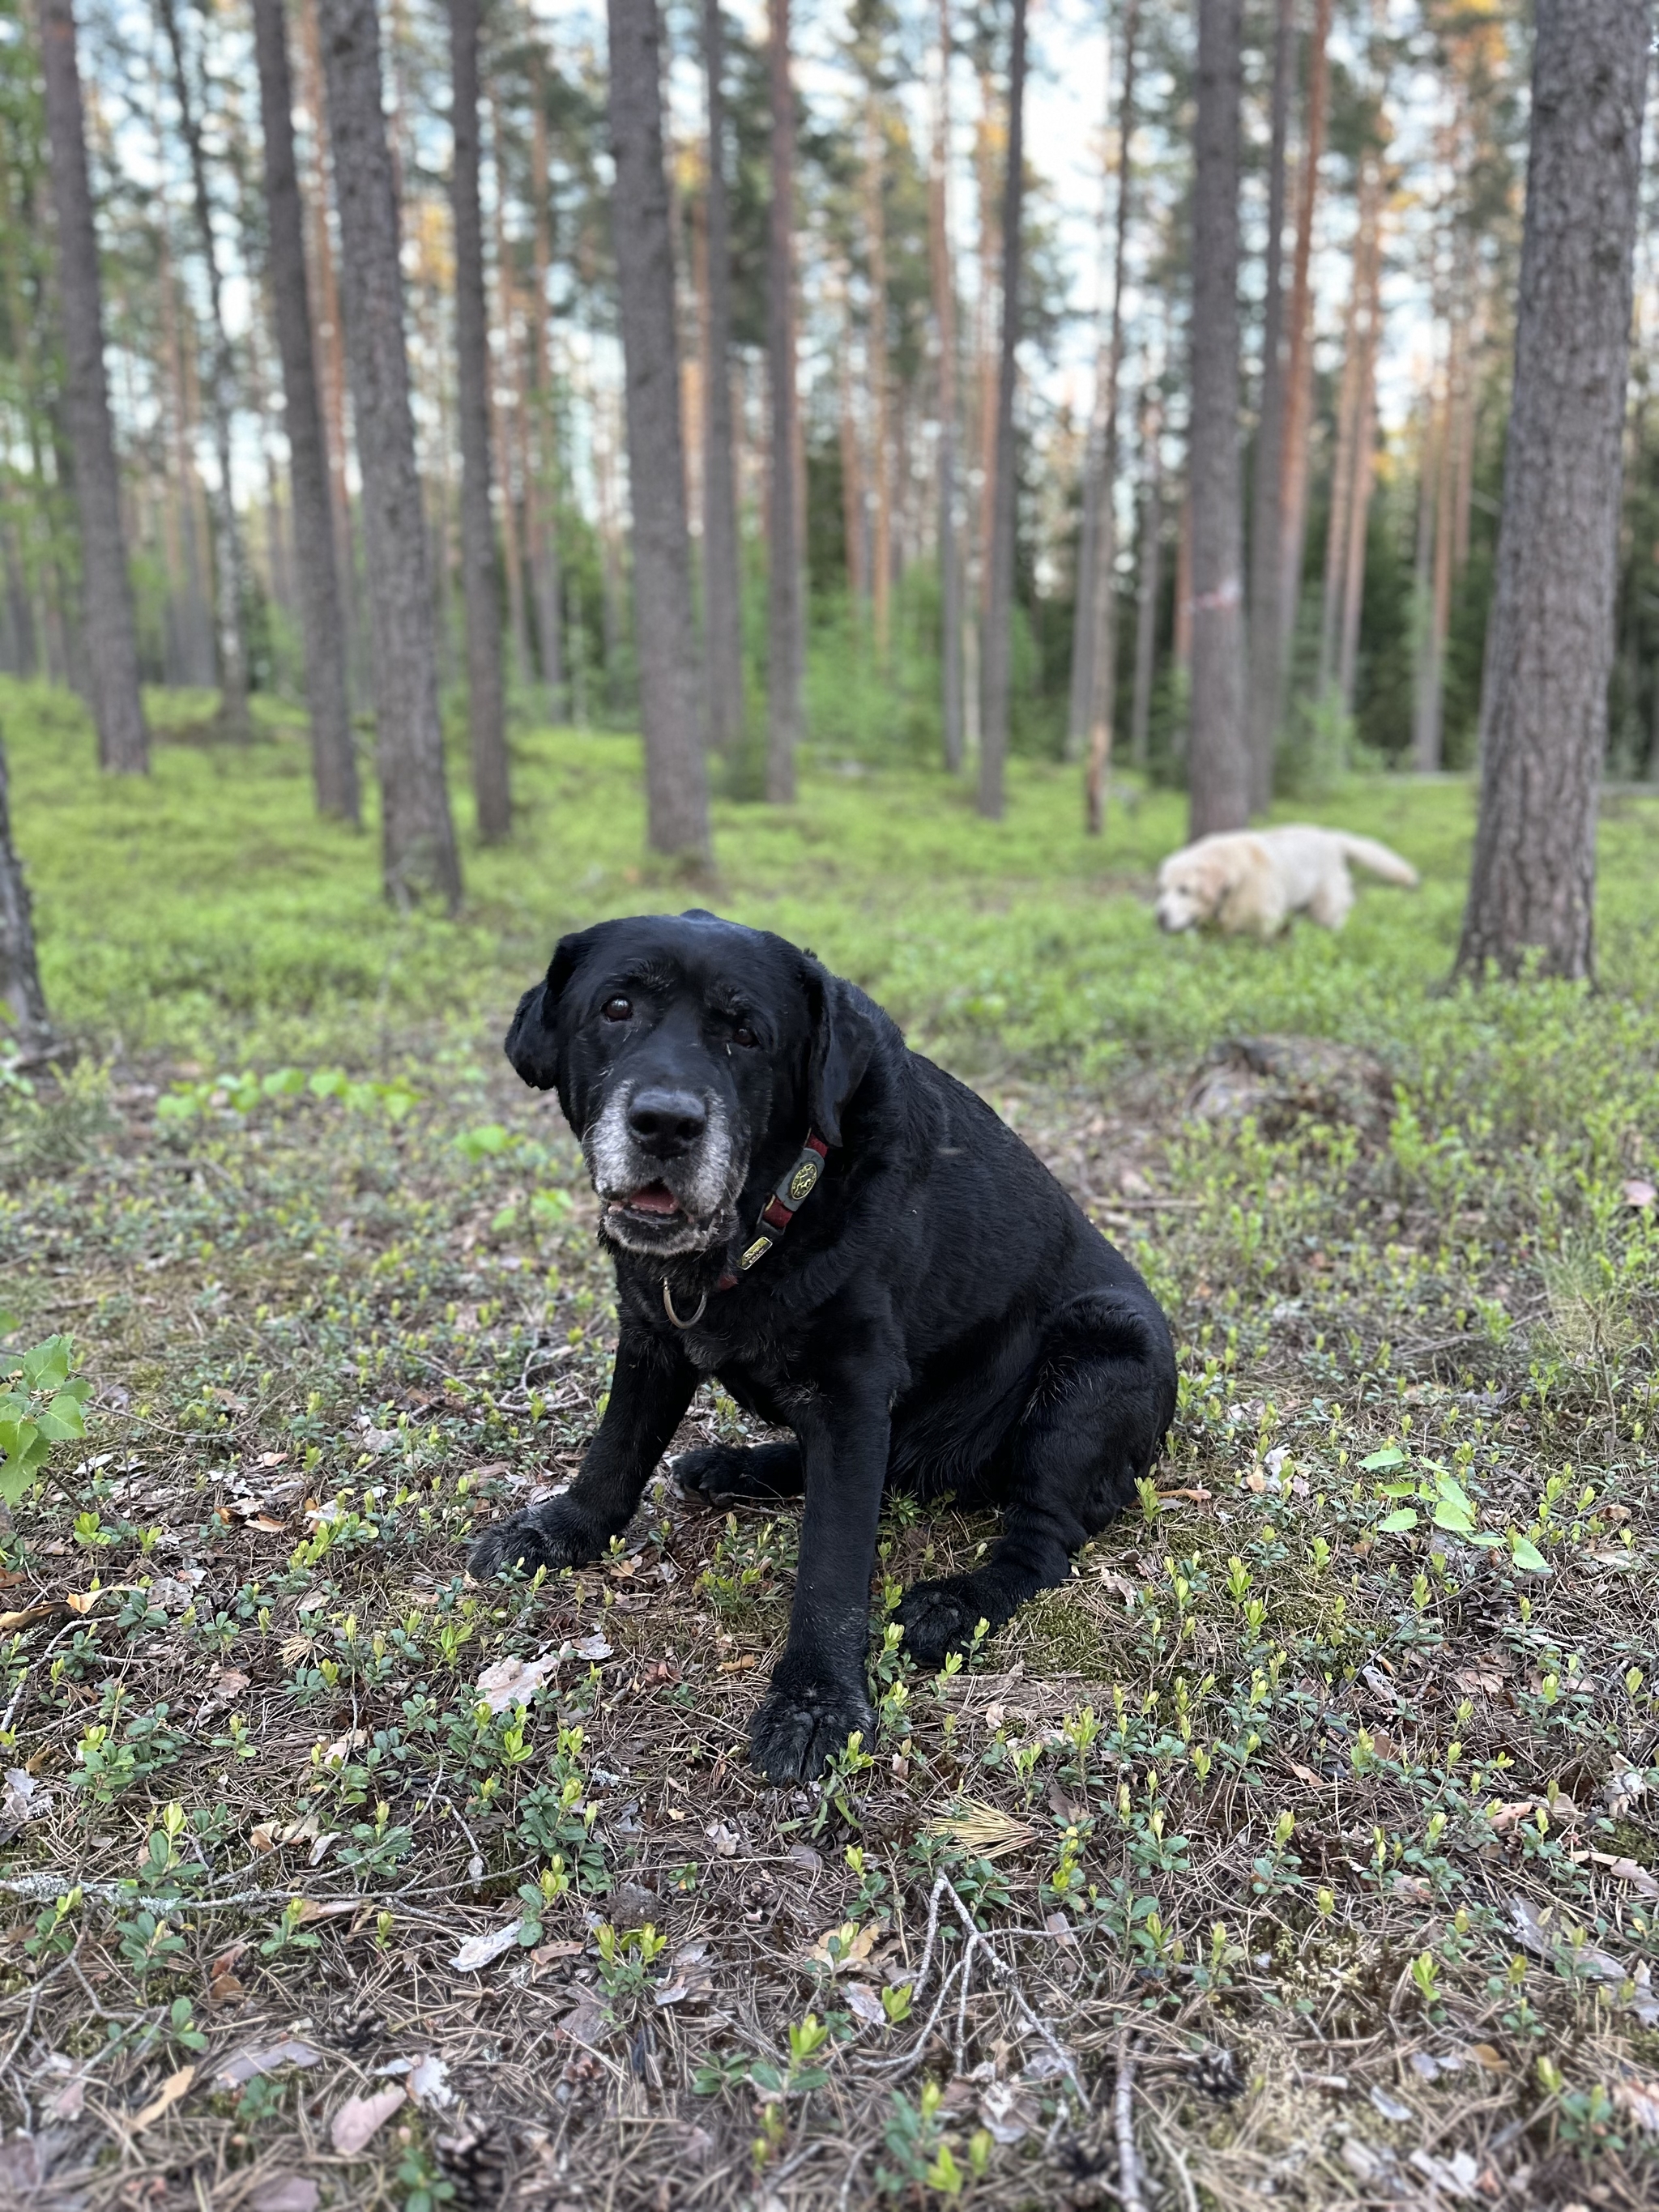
{"points": [[1256, 879]]}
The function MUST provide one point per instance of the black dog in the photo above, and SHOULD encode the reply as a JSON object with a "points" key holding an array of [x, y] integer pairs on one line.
{"points": [[939, 1314]]}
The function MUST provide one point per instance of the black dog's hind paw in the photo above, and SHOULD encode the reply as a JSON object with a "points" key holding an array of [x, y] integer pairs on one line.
{"points": [[939, 1617], [800, 1729], [760, 1473], [554, 1536]]}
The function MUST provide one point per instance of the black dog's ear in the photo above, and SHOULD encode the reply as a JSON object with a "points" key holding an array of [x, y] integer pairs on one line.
{"points": [[843, 1038], [532, 1042]]}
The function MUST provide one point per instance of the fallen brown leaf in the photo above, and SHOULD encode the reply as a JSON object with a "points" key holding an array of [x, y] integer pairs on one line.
{"points": [[360, 2120], [176, 2085]]}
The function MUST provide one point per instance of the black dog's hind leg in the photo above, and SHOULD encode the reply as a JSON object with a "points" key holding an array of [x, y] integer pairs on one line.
{"points": [[651, 1387], [757, 1474], [1102, 1397]]}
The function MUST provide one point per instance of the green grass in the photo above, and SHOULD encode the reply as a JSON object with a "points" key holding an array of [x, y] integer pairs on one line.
{"points": [[1290, 1759]]}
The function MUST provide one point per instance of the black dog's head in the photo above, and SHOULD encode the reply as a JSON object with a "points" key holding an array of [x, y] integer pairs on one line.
{"points": [[682, 1047]]}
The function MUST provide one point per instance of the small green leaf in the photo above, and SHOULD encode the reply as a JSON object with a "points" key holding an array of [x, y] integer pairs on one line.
{"points": [[1390, 1456], [1402, 1518], [1527, 1557]]}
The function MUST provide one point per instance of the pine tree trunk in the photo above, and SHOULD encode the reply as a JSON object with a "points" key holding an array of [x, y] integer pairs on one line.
{"points": [[1151, 538], [785, 673], [881, 457], [1218, 758], [23, 1002], [723, 603], [851, 459], [486, 705], [543, 513], [1544, 713], [1425, 737], [1299, 375], [419, 856], [1102, 653], [996, 652], [676, 772], [322, 613], [1353, 426], [1266, 690], [107, 591], [1359, 505], [330, 328], [229, 558], [945, 331]]}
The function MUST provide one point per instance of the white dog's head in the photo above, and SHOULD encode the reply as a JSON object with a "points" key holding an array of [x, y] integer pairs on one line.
{"points": [[1191, 886]]}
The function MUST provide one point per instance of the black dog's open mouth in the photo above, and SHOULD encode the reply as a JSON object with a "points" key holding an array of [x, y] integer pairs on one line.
{"points": [[654, 1201]]}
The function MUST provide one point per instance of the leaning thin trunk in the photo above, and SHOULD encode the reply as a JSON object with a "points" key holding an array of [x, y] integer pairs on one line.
{"points": [[881, 458], [107, 591], [1218, 762], [1266, 679], [229, 563], [1102, 654], [996, 653], [418, 834], [543, 517], [676, 771], [1152, 538], [1544, 714], [1299, 375], [23, 1002], [1359, 504], [322, 617], [722, 600], [784, 671], [486, 706], [945, 331]]}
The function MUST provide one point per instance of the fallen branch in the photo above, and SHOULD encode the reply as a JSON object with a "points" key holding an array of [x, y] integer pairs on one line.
{"points": [[1128, 2165]]}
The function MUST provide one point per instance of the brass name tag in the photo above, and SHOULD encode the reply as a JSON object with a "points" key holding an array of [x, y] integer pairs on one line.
{"points": [[757, 1250]]}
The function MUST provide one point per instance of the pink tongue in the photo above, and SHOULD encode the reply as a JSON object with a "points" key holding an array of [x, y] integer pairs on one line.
{"points": [[655, 1197]]}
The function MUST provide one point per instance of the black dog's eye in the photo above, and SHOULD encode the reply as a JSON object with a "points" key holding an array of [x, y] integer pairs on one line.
{"points": [[745, 1035], [617, 1009]]}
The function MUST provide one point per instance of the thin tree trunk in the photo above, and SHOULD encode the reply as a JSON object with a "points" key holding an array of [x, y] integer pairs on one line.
{"points": [[107, 591], [1102, 654], [784, 613], [1218, 757], [419, 855], [944, 328], [544, 471], [1425, 745], [676, 772], [1352, 424], [330, 327], [486, 705], [722, 590], [1182, 640], [996, 653], [881, 458], [506, 424], [851, 459], [1267, 674], [23, 1002], [1351, 583], [1298, 378], [322, 615], [1152, 538], [1544, 712], [229, 559], [1080, 691]]}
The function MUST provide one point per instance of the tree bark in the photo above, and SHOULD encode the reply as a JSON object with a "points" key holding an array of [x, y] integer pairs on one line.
{"points": [[996, 653], [1544, 711], [1359, 505], [1152, 542], [852, 457], [229, 558], [1218, 760], [485, 703], [543, 518], [106, 590], [1426, 734], [722, 602], [23, 1002], [1354, 427], [881, 455], [1299, 375], [676, 772], [785, 672], [945, 330], [1267, 672], [1103, 650], [322, 612], [419, 856]]}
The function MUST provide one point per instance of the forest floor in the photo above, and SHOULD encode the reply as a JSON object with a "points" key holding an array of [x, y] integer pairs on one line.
{"points": [[1303, 1848]]}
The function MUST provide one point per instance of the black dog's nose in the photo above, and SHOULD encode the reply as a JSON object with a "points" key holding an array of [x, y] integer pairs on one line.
{"points": [[666, 1123]]}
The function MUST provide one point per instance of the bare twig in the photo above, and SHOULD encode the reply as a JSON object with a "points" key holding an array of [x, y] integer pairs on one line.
{"points": [[1128, 2165]]}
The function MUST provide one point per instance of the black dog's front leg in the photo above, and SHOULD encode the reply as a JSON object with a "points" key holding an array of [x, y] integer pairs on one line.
{"points": [[818, 1696], [651, 1387]]}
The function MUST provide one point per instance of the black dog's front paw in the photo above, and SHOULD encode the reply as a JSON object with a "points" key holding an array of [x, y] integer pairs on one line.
{"points": [[554, 1536], [940, 1617], [801, 1726]]}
